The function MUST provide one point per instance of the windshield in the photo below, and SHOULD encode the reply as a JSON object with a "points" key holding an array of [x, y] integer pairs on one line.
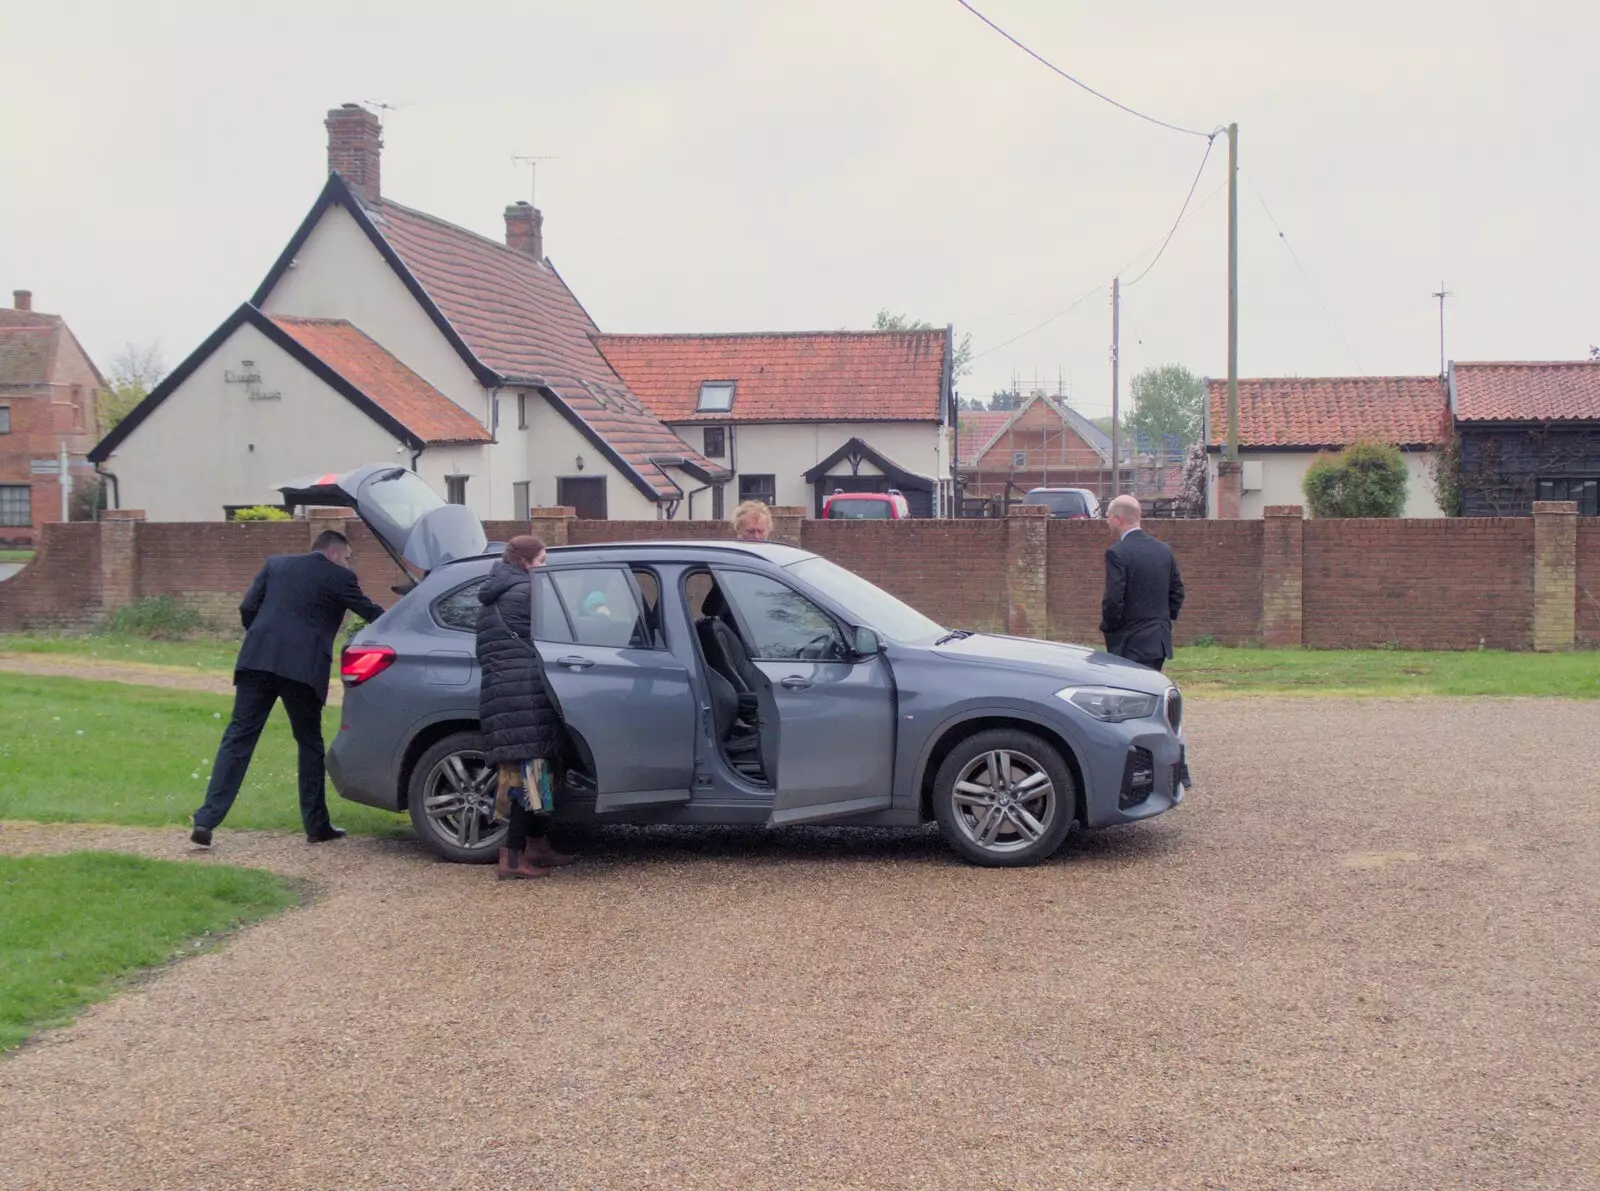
{"points": [[1060, 504], [860, 510], [401, 497], [875, 608]]}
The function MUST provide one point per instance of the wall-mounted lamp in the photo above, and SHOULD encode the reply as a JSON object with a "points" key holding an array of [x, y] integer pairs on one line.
{"points": [[580, 462]]}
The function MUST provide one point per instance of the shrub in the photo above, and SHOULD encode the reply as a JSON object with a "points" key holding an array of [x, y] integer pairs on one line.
{"points": [[262, 513], [1446, 469], [160, 618], [1366, 479]]}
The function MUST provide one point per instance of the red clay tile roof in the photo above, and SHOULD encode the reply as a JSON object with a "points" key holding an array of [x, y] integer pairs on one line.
{"points": [[810, 376], [517, 316], [1331, 411], [397, 390], [1532, 391], [975, 430]]}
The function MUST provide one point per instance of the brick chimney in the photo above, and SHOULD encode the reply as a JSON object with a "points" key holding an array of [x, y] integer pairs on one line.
{"points": [[355, 144], [525, 229], [22, 299]]}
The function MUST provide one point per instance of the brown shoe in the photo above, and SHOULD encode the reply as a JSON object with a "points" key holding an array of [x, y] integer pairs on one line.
{"points": [[541, 853], [521, 870]]}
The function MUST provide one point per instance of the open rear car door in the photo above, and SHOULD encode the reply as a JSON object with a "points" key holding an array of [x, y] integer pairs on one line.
{"points": [[411, 521]]}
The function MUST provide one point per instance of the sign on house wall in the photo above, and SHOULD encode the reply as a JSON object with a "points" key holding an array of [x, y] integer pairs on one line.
{"points": [[248, 376]]}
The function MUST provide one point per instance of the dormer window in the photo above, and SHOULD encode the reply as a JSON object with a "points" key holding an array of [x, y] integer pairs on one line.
{"points": [[716, 397]]}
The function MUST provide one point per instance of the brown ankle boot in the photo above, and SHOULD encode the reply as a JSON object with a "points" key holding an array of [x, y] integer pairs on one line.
{"points": [[518, 868], [541, 853]]}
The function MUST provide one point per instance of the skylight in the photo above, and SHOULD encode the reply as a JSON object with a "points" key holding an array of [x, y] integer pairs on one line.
{"points": [[716, 397]]}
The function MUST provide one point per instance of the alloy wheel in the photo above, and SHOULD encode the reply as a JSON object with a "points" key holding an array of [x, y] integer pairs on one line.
{"points": [[458, 796], [1004, 801]]}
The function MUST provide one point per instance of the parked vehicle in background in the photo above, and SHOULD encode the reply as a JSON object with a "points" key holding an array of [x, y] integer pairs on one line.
{"points": [[866, 506], [1075, 504], [738, 682]]}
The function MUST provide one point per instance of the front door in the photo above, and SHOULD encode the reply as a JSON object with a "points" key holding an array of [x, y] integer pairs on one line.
{"points": [[836, 714], [628, 699], [586, 495]]}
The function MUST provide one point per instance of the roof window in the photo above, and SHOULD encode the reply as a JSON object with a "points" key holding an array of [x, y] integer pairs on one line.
{"points": [[716, 397]]}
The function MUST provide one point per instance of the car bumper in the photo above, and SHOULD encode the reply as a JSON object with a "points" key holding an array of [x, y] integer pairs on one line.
{"points": [[362, 761], [1140, 775]]}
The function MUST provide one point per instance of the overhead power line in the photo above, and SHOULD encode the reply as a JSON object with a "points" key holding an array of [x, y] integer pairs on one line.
{"points": [[1183, 210], [1076, 82], [1041, 326]]}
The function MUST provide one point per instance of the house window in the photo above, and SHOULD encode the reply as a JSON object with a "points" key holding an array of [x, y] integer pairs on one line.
{"points": [[522, 411], [5, 419], [16, 507], [1019, 459], [1585, 490], [716, 397], [519, 500], [455, 489], [716, 442], [762, 488]]}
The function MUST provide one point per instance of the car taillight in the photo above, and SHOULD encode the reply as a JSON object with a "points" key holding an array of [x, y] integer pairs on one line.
{"points": [[361, 662]]}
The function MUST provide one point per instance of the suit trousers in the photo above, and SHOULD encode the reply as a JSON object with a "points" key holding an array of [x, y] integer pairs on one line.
{"points": [[255, 691]]}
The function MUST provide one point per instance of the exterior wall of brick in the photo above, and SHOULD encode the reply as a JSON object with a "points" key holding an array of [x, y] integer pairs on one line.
{"points": [[1587, 622], [1451, 584], [43, 417], [1555, 573], [60, 588], [1282, 555]]}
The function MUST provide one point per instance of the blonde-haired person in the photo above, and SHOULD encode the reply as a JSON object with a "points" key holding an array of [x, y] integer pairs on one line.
{"points": [[520, 724], [752, 521]]}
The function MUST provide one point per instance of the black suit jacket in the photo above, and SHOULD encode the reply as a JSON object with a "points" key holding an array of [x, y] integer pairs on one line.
{"points": [[1144, 594], [291, 614]]}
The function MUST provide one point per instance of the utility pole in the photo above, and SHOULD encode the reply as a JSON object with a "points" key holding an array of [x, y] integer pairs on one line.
{"points": [[1441, 295], [1116, 335], [1233, 293]]}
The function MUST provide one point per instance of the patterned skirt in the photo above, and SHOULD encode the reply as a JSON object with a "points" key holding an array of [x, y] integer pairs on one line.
{"points": [[531, 783]]}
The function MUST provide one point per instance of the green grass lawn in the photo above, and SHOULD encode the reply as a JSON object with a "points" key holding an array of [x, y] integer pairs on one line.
{"points": [[16, 555], [1371, 672], [76, 751], [76, 924], [209, 653]]}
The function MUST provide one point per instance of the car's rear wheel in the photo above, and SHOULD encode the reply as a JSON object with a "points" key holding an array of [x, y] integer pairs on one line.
{"points": [[452, 801], [1004, 798]]}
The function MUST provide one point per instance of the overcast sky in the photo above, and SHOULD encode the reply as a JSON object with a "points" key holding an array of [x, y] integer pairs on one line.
{"points": [[747, 166]]}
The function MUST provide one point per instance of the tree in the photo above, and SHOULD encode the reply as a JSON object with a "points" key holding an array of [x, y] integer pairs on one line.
{"points": [[1168, 404], [1366, 479], [1192, 493], [961, 365], [134, 372]]}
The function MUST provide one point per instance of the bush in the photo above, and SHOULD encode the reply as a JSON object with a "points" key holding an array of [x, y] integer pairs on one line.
{"points": [[1446, 468], [1366, 479], [262, 513], [159, 618]]}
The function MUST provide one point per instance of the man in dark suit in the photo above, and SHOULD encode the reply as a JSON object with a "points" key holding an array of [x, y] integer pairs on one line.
{"points": [[1144, 592], [291, 614]]}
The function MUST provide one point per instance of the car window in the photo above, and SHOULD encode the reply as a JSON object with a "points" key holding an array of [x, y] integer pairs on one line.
{"points": [[782, 622], [1060, 504], [601, 606], [458, 609], [650, 589], [859, 510], [549, 620]]}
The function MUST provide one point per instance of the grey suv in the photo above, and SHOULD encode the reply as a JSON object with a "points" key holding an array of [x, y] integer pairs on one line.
{"points": [[723, 682]]}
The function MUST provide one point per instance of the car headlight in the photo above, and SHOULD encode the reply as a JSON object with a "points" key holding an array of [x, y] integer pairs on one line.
{"points": [[1110, 704]]}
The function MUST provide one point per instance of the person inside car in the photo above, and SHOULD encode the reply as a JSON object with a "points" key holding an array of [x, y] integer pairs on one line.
{"points": [[520, 725]]}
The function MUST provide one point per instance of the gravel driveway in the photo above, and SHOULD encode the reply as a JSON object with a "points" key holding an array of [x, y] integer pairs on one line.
{"points": [[1365, 954]]}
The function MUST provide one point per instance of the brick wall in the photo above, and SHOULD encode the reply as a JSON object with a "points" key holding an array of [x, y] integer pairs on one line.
{"points": [[1588, 593], [1443, 584], [1437, 584], [585, 533]]}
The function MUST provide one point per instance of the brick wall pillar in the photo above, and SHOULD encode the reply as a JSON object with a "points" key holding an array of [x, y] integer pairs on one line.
{"points": [[119, 558], [1230, 490], [1027, 558], [787, 521], [1555, 574], [552, 525], [1282, 546]]}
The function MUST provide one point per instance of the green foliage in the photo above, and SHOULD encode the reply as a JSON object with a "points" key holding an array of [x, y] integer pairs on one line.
{"points": [[75, 923], [1445, 469], [87, 499], [262, 513], [1366, 479], [133, 373], [1168, 403], [1320, 673], [884, 320], [160, 618]]}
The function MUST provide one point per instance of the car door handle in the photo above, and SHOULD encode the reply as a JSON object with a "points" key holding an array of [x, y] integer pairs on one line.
{"points": [[575, 663], [795, 683]]}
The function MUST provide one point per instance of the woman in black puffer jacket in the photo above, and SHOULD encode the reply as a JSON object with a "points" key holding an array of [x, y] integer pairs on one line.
{"points": [[520, 726]]}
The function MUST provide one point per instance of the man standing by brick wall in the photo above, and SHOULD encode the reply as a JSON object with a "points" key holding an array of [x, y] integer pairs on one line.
{"points": [[291, 614], [1144, 591]]}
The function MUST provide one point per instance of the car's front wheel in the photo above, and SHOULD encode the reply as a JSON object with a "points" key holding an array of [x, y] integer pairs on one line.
{"points": [[1004, 798], [451, 800]]}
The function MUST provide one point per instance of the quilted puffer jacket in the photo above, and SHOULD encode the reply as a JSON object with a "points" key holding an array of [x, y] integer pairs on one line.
{"points": [[516, 716]]}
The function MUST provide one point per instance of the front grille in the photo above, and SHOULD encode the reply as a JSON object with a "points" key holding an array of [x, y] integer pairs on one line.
{"points": [[1138, 777], [1174, 708]]}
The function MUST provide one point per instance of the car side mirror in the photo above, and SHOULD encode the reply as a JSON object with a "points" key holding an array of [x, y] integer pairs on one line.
{"points": [[867, 643]]}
